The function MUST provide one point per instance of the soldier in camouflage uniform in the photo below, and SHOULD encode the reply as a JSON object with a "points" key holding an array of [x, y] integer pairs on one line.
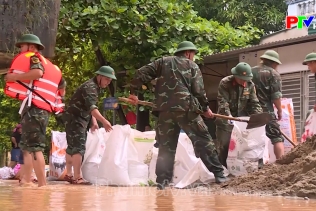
{"points": [[236, 97], [310, 61], [179, 94], [268, 85], [34, 120], [81, 110]]}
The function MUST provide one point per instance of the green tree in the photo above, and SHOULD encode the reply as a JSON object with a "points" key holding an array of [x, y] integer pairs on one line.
{"points": [[132, 33], [9, 118], [268, 15]]}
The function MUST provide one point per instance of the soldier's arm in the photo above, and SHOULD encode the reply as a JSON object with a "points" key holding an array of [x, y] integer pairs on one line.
{"points": [[223, 99], [254, 107], [36, 70], [145, 74], [275, 90], [90, 96], [197, 87]]}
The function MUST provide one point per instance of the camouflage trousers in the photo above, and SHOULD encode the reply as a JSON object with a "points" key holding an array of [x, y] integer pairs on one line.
{"points": [[76, 135], [273, 131], [167, 133], [222, 143], [34, 122]]}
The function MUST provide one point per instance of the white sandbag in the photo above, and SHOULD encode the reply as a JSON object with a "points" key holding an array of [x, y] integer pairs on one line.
{"points": [[138, 172], [137, 169], [57, 157], [6, 173], [95, 147], [185, 158], [113, 169], [287, 123], [310, 127], [245, 149], [152, 165], [143, 142]]}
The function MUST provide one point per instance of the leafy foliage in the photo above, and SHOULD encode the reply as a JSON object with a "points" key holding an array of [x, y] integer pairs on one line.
{"points": [[130, 33], [268, 15]]}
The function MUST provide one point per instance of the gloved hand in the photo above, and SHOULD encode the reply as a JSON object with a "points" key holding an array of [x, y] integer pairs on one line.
{"points": [[230, 122]]}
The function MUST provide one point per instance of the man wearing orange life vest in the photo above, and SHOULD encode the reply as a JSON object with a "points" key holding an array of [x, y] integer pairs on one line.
{"points": [[31, 68]]}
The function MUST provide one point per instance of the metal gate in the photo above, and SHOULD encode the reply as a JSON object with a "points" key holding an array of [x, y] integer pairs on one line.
{"points": [[293, 87]]}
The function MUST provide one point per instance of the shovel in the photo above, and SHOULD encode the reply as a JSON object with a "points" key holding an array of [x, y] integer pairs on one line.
{"points": [[145, 103], [285, 136], [256, 120]]}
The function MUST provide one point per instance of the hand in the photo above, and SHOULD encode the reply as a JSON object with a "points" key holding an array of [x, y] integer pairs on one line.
{"points": [[279, 115], [208, 113], [107, 126], [10, 77], [230, 122], [134, 99], [94, 127]]}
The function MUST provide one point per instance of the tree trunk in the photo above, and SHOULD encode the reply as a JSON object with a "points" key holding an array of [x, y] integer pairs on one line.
{"points": [[103, 62], [142, 117], [39, 17]]}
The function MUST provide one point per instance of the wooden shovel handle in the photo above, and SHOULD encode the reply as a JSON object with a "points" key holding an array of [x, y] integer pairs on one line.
{"points": [[285, 136], [230, 118], [124, 99]]}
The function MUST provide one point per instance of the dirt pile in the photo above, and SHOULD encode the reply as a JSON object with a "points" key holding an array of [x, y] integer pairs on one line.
{"points": [[293, 175]]}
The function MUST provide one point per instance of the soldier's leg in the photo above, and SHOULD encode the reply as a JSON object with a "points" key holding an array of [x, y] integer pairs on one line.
{"points": [[223, 140], [76, 141], [274, 134], [34, 125], [204, 147], [156, 137], [70, 133], [168, 133]]}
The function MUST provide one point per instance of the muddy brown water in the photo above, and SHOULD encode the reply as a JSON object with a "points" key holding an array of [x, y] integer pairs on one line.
{"points": [[60, 196]]}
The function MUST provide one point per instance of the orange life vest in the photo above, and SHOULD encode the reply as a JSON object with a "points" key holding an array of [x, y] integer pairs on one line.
{"points": [[46, 86]]}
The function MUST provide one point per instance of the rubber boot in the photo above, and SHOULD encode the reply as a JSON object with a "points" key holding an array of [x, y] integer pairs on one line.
{"points": [[221, 179]]}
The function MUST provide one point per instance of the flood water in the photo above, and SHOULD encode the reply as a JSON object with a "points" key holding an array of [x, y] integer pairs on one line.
{"points": [[66, 197]]}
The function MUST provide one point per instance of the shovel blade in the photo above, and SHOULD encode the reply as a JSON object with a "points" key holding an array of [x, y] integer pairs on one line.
{"points": [[259, 120]]}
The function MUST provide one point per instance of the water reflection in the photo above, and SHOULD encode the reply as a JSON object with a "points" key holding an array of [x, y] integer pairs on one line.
{"points": [[65, 197]]}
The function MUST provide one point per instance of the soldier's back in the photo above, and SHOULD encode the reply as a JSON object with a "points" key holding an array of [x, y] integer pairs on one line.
{"points": [[77, 106], [172, 92]]}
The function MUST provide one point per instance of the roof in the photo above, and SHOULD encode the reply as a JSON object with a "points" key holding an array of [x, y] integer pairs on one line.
{"points": [[235, 53]]}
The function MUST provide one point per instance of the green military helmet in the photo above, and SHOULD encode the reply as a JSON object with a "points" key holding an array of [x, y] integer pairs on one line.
{"points": [[186, 46], [309, 57], [106, 71], [242, 71], [272, 56], [31, 39]]}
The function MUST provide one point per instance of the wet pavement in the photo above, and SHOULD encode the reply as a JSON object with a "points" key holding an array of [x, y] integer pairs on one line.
{"points": [[60, 196]]}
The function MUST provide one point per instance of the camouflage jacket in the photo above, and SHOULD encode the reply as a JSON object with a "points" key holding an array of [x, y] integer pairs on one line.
{"points": [[268, 85], [236, 100], [83, 101], [179, 84]]}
